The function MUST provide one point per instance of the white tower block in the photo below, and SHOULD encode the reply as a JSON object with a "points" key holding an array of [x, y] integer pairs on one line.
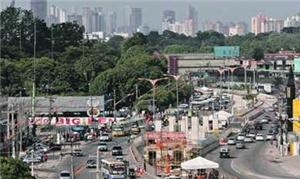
{"points": [[172, 121], [195, 130], [158, 125]]}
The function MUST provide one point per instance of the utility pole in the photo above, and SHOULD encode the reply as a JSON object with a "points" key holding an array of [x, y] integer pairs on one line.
{"points": [[13, 135], [72, 160], [115, 119], [98, 162]]}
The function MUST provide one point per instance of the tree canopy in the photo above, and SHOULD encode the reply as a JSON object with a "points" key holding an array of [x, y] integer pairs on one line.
{"points": [[13, 168]]}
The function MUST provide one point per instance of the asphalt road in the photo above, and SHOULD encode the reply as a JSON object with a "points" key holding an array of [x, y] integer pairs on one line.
{"points": [[89, 150], [251, 162]]}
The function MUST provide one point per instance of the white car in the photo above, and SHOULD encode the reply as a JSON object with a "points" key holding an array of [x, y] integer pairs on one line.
{"points": [[259, 137], [240, 138], [264, 121], [251, 134], [231, 141], [270, 136], [105, 137], [102, 146], [65, 175], [248, 140]]}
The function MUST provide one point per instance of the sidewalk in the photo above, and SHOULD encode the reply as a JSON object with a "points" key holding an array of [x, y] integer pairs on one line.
{"points": [[290, 164]]}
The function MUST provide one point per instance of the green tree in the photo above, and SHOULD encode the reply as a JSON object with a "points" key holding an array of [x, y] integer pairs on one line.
{"points": [[66, 35], [179, 49], [137, 39], [13, 168], [258, 54]]}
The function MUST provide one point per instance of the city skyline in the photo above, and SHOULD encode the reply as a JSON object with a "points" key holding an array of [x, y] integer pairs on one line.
{"points": [[227, 10]]}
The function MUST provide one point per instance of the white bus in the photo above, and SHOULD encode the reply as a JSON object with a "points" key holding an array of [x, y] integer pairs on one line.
{"points": [[113, 169], [124, 127]]}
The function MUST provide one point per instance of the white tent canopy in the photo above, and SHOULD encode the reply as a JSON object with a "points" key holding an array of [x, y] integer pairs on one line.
{"points": [[199, 163]]}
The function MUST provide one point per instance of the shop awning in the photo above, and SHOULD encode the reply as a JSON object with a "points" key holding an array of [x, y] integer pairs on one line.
{"points": [[199, 163]]}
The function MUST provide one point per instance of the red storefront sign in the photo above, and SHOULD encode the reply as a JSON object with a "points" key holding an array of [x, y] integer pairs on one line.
{"points": [[66, 121]]}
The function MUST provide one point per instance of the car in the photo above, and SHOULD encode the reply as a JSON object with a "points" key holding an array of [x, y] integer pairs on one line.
{"points": [[117, 150], [102, 146], [264, 121], [105, 137], [119, 157], [240, 137], [259, 137], [240, 145], [29, 159], [270, 136], [78, 153], [248, 139], [224, 152], [55, 147], [231, 141], [251, 134], [91, 163], [65, 175], [258, 126], [90, 137]]}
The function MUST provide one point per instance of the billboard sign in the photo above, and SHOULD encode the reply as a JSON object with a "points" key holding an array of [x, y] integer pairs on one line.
{"points": [[226, 51], [296, 115], [72, 121], [297, 65]]}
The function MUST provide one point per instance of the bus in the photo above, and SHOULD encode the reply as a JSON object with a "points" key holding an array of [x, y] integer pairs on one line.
{"points": [[111, 169], [124, 127]]}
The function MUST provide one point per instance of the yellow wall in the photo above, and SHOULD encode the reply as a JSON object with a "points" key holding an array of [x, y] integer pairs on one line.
{"points": [[296, 114]]}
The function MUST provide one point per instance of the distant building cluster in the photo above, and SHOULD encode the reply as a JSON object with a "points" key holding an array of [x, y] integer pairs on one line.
{"points": [[99, 25], [263, 24], [188, 26], [228, 29]]}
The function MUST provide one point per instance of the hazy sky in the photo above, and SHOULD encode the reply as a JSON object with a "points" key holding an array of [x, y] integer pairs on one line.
{"points": [[223, 10]]}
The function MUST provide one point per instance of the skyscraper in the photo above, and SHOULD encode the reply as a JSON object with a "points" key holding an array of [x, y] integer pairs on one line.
{"points": [[133, 19], [112, 22], [39, 8], [193, 15], [263, 24], [169, 16], [87, 20], [75, 18], [167, 19]]}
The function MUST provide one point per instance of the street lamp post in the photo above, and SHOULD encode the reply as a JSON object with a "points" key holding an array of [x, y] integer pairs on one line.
{"points": [[153, 83], [177, 78], [221, 71]]}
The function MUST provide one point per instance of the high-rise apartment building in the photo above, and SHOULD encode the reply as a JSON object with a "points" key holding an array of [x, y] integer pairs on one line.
{"points": [[193, 15], [292, 21], [169, 16], [93, 20], [256, 23], [87, 19], [167, 19], [133, 19], [112, 22], [263, 24], [39, 8], [56, 15], [272, 25], [75, 18]]}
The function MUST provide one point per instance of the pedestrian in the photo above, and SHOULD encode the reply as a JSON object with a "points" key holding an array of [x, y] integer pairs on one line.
{"points": [[60, 156], [46, 157]]}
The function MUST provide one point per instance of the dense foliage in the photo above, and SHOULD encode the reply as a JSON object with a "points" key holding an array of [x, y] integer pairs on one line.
{"points": [[13, 168], [66, 64]]}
